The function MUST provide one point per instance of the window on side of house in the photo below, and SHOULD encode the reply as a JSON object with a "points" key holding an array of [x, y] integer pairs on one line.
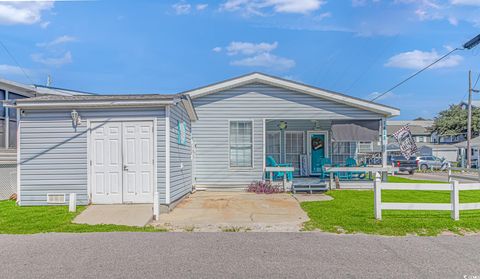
{"points": [[241, 143]]}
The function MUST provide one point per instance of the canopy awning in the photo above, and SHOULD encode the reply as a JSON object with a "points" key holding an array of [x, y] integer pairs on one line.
{"points": [[356, 130]]}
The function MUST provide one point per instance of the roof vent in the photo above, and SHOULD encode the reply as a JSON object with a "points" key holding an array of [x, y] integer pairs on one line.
{"points": [[55, 198]]}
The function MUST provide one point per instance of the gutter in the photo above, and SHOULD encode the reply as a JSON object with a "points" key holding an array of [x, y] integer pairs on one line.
{"points": [[93, 104]]}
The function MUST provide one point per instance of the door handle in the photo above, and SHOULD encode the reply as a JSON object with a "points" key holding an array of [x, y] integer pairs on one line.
{"points": [[125, 168]]}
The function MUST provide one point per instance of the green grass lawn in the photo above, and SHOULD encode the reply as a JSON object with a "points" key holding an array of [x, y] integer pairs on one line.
{"points": [[351, 211], [400, 179], [41, 219]]}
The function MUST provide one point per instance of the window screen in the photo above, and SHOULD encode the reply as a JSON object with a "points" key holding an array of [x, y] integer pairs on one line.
{"points": [[241, 144]]}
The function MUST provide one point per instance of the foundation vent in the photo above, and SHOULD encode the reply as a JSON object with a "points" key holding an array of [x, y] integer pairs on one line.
{"points": [[55, 198]]}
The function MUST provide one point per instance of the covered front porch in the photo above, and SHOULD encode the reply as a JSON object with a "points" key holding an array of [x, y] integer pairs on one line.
{"points": [[320, 152]]}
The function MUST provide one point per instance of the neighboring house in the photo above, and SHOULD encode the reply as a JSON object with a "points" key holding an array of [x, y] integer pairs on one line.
{"points": [[152, 148], [475, 151], [475, 104], [448, 139], [10, 90], [448, 152], [421, 129], [426, 140]]}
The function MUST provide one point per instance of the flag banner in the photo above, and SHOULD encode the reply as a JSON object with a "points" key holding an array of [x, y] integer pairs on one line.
{"points": [[405, 142]]}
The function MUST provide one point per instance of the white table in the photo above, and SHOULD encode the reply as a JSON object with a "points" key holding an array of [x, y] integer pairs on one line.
{"points": [[271, 170]]}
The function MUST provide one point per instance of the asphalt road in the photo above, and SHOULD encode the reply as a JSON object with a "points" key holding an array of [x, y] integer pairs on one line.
{"points": [[237, 255]]}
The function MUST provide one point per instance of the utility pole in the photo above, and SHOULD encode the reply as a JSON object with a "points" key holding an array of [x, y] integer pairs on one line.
{"points": [[469, 120]]}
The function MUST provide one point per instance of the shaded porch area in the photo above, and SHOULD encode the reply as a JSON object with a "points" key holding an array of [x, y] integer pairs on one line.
{"points": [[314, 150]]}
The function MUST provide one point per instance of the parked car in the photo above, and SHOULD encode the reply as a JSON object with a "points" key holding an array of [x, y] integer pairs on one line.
{"points": [[431, 162], [405, 165]]}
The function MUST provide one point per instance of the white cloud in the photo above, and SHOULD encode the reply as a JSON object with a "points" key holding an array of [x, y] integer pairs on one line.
{"points": [[53, 61], [60, 40], [266, 60], [201, 7], [182, 8], [256, 55], [279, 6], [12, 70], [23, 12], [466, 2], [417, 59], [45, 24], [246, 48], [453, 21]]}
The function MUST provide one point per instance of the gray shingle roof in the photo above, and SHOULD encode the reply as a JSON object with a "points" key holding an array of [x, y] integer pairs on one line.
{"points": [[59, 98], [414, 129]]}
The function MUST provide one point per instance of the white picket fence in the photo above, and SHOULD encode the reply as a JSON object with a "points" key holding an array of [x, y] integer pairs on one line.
{"points": [[463, 173], [454, 206]]}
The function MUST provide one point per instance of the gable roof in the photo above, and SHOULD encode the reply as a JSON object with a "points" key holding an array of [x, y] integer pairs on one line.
{"points": [[294, 86], [17, 87], [43, 89], [37, 90]]}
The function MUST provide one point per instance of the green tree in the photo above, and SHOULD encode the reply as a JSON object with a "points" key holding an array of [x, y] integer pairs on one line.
{"points": [[453, 121]]}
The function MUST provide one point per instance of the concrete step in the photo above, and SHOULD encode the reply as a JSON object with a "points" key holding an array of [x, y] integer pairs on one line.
{"points": [[310, 187]]}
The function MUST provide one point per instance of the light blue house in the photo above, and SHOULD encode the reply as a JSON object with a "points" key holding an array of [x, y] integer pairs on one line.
{"points": [[156, 148]]}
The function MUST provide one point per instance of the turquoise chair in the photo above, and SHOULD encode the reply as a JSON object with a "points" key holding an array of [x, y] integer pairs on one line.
{"points": [[323, 173], [278, 174], [351, 162]]}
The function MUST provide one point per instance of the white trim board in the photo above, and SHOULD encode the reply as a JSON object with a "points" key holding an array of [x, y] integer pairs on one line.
{"points": [[290, 85], [19, 162], [167, 155]]}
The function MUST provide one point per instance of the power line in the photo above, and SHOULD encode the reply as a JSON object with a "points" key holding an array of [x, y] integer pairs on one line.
{"points": [[478, 77], [16, 62], [415, 74]]}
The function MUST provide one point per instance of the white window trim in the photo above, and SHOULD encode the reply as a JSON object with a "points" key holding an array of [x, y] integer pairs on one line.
{"points": [[253, 145]]}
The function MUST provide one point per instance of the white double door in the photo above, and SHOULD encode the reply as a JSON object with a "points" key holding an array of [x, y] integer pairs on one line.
{"points": [[122, 164]]}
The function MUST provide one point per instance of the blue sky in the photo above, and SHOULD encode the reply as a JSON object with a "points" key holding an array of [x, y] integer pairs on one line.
{"points": [[358, 47]]}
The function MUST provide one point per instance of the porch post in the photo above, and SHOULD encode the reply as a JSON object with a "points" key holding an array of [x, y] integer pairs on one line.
{"points": [[264, 149], [384, 147]]}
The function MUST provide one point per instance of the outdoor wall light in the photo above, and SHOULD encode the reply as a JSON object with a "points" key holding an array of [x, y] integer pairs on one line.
{"points": [[282, 125], [76, 119]]}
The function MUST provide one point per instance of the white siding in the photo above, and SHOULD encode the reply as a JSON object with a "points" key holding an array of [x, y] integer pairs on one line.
{"points": [[253, 102], [53, 155], [180, 154]]}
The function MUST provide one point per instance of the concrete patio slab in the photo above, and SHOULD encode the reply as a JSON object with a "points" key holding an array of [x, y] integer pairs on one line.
{"points": [[217, 211], [137, 215]]}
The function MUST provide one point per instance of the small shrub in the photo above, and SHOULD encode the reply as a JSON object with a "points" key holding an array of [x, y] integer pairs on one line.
{"points": [[263, 187]]}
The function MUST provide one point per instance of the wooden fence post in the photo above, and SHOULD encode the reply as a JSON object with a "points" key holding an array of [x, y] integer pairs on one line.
{"points": [[449, 174], [455, 201], [377, 188]]}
